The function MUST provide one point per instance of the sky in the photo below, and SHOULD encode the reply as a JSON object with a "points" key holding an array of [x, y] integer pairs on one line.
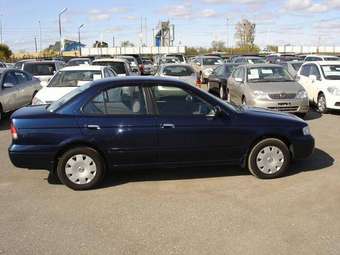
{"points": [[197, 22]]}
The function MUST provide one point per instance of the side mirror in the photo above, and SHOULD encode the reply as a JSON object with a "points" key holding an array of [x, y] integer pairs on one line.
{"points": [[198, 63], [312, 78], [8, 85]]}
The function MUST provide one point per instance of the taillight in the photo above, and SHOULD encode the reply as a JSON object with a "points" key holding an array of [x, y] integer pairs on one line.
{"points": [[141, 68], [198, 83], [14, 132]]}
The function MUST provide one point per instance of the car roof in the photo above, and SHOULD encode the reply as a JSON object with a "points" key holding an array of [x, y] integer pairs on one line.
{"points": [[43, 62], [74, 59], [83, 68], [321, 63], [322, 56], [110, 60], [176, 64]]}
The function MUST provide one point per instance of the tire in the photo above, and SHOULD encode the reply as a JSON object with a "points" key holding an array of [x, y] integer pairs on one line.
{"points": [[301, 115], [268, 159], [322, 104], [81, 168], [1, 113], [244, 101], [228, 95]]}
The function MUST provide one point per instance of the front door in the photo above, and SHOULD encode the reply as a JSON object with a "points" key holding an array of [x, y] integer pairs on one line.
{"points": [[188, 130], [118, 120]]}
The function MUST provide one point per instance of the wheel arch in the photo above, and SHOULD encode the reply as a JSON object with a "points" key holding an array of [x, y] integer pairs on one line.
{"points": [[260, 138], [75, 144]]}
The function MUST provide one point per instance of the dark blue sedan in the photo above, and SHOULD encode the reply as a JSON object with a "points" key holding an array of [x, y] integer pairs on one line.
{"points": [[144, 122]]}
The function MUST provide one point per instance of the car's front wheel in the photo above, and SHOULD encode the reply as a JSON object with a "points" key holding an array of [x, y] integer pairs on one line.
{"points": [[269, 158], [81, 168], [322, 103]]}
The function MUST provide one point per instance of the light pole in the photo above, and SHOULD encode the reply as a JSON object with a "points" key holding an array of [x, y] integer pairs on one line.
{"points": [[80, 27], [40, 38], [60, 37]]}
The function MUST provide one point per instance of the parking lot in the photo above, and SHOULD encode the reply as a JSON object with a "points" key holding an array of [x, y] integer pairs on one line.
{"points": [[178, 211]]}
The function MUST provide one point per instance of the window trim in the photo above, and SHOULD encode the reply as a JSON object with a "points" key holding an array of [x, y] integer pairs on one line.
{"points": [[106, 115], [154, 104]]}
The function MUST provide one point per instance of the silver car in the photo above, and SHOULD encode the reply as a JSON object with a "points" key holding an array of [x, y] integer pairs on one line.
{"points": [[179, 71], [17, 89], [204, 66], [267, 86]]}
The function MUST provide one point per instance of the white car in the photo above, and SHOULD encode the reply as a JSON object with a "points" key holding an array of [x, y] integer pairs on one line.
{"points": [[69, 78], [312, 58], [120, 66], [321, 80], [179, 71]]}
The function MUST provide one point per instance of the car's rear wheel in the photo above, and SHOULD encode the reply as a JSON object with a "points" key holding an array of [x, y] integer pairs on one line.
{"points": [[322, 103], [81, 168], [270, 158]]}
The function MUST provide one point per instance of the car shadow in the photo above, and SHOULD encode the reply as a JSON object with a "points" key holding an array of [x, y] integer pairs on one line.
{"points": [[312, 115], [319, 160], [5, 123]]}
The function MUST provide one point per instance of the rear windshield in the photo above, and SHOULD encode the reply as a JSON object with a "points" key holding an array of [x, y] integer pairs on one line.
{"points": [[118, 67], [39, 69], [212, 61], [178, 71], [331, 59], [78, 62], [74, 78]]}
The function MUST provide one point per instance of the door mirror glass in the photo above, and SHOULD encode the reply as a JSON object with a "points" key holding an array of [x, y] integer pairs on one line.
{"points": [[8, 85]]}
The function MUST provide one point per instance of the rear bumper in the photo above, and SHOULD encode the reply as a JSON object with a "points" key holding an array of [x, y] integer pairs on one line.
{"points": [[302, 147], [31, 160]]}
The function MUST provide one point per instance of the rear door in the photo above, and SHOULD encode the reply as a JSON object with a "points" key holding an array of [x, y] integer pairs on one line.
{"points": [[25, 86], [118, 119], [303, 78], [188, 130], [11, 98]]}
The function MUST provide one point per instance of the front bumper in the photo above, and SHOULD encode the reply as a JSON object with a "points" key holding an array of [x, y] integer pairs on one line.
{"points": [[333, 102], [284, 105], [302, 147]]}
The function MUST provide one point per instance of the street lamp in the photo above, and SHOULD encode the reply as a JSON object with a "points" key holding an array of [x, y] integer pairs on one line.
{"points": [[81, 26], [60, 38]]}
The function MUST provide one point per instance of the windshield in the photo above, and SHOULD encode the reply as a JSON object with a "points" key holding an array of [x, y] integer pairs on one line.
{"points": [[255, 61], [331, 59], [178, 71], [118, 67], [268, 74], [331, 72], [296, 66], [212, 61], [38, 69], [60, 102], [74, 78]]}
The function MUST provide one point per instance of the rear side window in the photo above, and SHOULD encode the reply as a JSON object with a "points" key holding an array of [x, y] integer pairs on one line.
{"points": [[127, 100], [21, 77], [10, 78]]}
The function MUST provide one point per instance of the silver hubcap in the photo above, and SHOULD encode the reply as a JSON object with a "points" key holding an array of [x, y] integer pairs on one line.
{"points": [[80, 169], [221, 93], [322, 103], [270, 160]]}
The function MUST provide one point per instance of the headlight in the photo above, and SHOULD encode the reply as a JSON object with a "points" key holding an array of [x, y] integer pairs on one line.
{"points": [[260, 94], [334, 91], [306, 130], [301, 94], [37, 101]]}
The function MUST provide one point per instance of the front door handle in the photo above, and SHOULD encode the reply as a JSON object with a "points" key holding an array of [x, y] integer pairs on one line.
{"points": [[94, 127], [167, 125]]}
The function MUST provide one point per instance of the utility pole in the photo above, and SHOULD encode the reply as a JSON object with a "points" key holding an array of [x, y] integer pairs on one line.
{"points": [[40, 37], [60, 31], [1, 30], [227, 33], [146, 32], [35, 44], [141, 31], [79, 41], [113, 41]]}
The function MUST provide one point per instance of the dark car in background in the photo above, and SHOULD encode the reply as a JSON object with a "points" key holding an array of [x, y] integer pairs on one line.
{"points": [[44, 69], [151, 122], [79, 61], [218, 80]]}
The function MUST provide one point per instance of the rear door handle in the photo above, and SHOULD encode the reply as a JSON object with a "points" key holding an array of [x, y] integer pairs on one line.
{"points": [[94, 127], [167, 125]]}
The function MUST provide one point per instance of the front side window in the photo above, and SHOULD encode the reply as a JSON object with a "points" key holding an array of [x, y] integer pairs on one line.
{"points": [[10, 78], [305, 70], [74, 78], [173, 101], [127, 100], [314, 71], [21, 77]]}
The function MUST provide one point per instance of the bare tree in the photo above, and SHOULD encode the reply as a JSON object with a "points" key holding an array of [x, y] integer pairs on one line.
{"points": [[218, 45], [127, 44], [245, 33]]}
